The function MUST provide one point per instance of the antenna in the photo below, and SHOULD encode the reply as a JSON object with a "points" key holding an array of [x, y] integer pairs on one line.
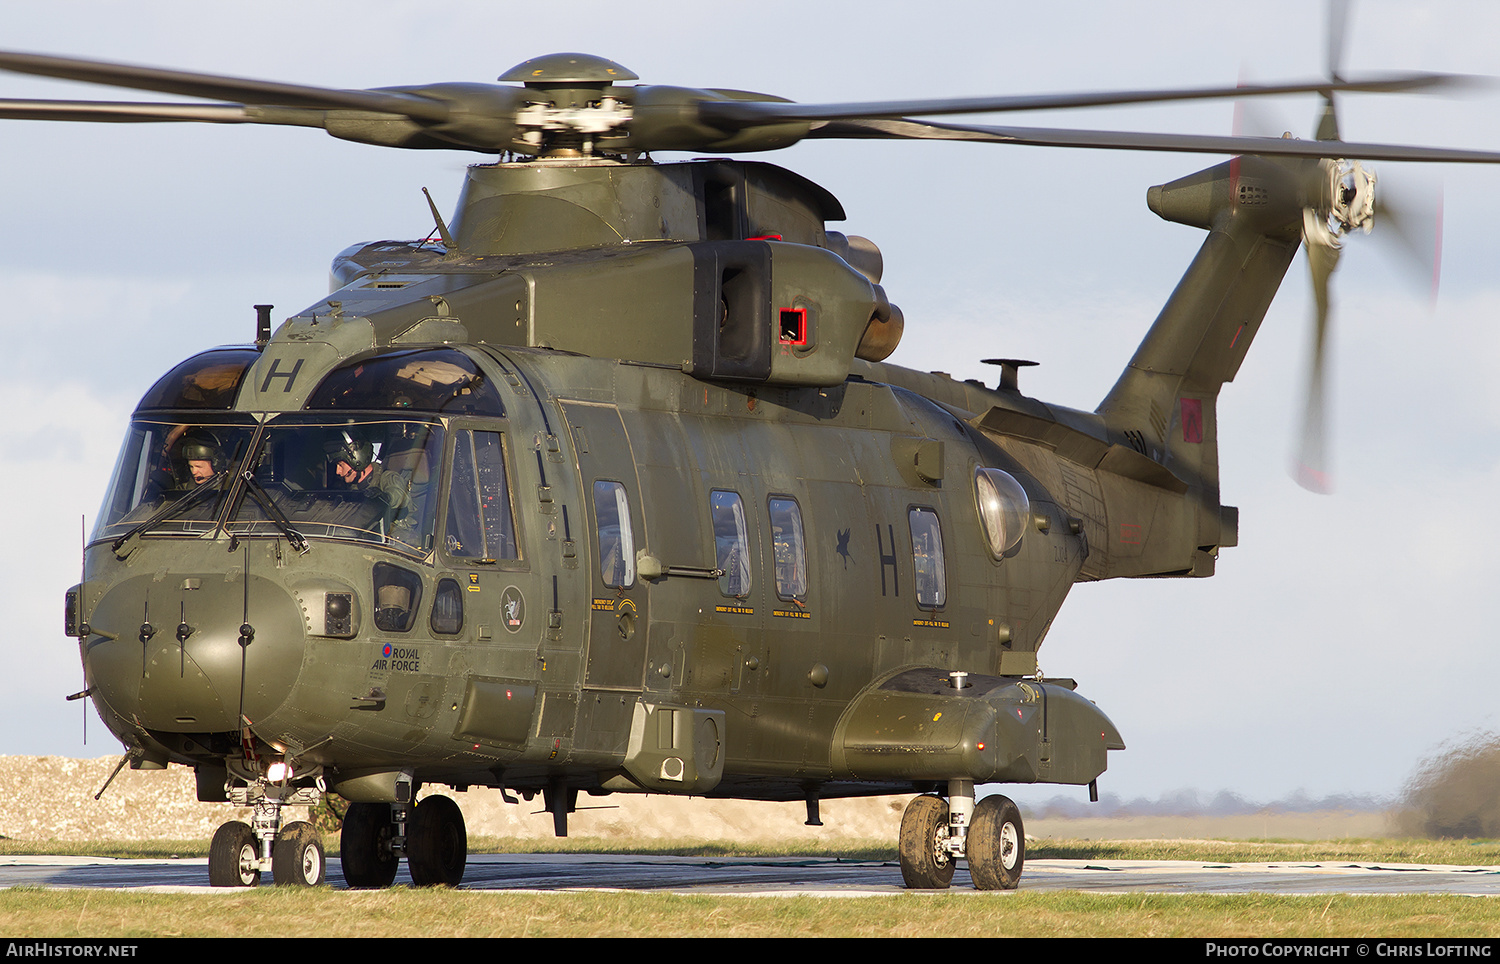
{"points": [[442, 227]]}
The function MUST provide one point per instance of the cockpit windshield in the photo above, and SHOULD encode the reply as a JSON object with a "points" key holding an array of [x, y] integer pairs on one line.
{"points": [[370, 478], [367, 478], [164, 462]]}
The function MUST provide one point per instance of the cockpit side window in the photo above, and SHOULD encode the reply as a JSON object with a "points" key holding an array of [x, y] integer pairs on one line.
{"points": [[616, 540], [480, 523]]}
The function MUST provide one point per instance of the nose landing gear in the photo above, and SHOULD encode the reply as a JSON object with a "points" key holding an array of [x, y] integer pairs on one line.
{"points": [[295, 860], [239, 854]]}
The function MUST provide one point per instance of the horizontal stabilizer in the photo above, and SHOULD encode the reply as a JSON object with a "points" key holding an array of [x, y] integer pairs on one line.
{"points": [[1080, 447]]}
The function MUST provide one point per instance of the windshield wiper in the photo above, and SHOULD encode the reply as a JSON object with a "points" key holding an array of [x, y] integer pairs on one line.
{"points": [[172, 508], [263, 499]]}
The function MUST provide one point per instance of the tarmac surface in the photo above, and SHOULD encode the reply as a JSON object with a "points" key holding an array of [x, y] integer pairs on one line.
{"points": [[803, 876]]}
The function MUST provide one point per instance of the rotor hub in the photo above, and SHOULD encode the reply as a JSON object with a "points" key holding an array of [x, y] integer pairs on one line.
{"points": [[567, 69]]}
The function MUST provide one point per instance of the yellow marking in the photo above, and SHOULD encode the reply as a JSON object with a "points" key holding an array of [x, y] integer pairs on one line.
{"points": [[739, 610]]}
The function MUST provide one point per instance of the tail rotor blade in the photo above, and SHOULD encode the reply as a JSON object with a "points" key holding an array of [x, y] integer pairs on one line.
{"points": [[1415, 223], [1312, 466]]}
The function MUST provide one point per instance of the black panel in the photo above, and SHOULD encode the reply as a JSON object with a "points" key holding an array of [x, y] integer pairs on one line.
{"points": [[732, 327]]}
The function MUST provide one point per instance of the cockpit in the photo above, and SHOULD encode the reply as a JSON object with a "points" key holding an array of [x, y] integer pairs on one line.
{"points": [[362, 462]]}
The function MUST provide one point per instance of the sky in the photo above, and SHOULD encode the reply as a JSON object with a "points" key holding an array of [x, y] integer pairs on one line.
{"points": [[1346, 639]]}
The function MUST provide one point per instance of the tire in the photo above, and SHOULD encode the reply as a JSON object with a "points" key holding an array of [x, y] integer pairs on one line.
{"points": [[437, 844], [365, 846], [297, 856], [996, 844], [924, 866], [233, 860]]}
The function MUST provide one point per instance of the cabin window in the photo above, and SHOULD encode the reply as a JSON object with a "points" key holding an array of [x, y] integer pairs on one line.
{"points": [[615, 538], [480, 522], [927, 557], [448, 608], [731, 542], [789, 548], [1003, 509]]}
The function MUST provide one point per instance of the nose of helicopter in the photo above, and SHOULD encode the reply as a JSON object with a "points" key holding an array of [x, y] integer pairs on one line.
{"points": [[190, 654]]}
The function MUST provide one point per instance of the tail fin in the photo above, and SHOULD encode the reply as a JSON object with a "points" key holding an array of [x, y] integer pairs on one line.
{"points": [[1165, 401]]}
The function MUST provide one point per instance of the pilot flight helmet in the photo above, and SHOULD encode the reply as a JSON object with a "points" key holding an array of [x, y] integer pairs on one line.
{"points": [[358, 452], [201, 445]]}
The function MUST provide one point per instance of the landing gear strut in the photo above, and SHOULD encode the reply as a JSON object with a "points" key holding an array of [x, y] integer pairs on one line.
{"points": [[935, 834]]}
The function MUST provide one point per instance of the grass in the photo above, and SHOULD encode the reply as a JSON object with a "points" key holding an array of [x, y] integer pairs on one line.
{"points": [[401, 912]]}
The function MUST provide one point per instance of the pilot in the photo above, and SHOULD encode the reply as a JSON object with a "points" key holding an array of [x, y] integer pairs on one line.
{"points": [[204, 457], [353, 461]]}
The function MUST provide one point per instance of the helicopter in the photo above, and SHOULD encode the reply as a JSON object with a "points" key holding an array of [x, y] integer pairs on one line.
{"points": [[679, 586]]}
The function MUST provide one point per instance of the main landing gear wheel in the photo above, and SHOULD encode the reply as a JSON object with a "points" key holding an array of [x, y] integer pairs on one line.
{"points": [[926, 863], [232, 857], [297, 856], [437, 843], [996, 844], [365, 845]]}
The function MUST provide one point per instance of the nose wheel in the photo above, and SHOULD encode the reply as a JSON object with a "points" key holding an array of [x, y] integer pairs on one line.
{"points": [[297, 856], [233, 859]]}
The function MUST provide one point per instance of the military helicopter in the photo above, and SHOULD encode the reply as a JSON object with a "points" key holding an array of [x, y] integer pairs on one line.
{"points": [[503, 509]]}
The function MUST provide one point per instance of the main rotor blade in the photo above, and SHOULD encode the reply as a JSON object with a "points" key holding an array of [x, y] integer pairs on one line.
{"points": [[1338, 33], [120, 112], [1338, 20], [222, 88], [1137, 141], [741, 114]]}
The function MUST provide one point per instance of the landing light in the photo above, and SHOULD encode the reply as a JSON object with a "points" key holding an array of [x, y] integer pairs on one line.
{"points": [[278, 772]]}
